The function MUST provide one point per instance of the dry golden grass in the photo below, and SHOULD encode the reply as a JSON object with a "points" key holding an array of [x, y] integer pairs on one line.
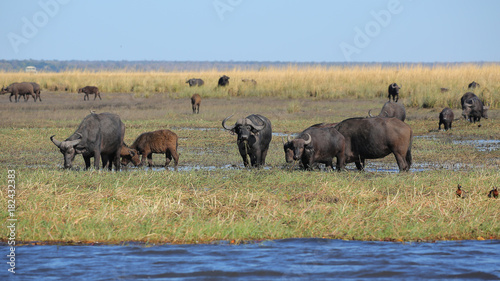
{"points": [[420, 84]]}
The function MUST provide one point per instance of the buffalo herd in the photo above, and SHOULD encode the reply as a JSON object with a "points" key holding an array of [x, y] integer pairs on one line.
{"points": [[350, 141]]}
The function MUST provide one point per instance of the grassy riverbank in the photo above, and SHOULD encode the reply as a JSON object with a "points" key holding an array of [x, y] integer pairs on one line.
{"points": [[212, 197]]}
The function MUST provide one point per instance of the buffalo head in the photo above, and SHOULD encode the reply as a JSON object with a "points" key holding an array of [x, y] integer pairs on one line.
{"points": [[298, 146], [287, 147], [243, 127], [68, 149], [129, 155]]}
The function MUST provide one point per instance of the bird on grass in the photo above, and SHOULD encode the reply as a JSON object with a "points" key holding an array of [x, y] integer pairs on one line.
{"points": [[460, 192], [493, 193]]}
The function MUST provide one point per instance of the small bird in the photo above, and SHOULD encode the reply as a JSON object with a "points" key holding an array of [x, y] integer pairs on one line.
{"points": [[460, 192], [493, 193]]}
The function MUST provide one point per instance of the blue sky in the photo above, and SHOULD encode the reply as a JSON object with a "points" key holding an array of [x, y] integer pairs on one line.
{"points": [[252, 30]]}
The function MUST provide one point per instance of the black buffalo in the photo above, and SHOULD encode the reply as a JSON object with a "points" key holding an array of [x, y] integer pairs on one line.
{"points": [[195, 82], [473, 108], [394, 92], [98, 136], [392, 109], [223, 81], [474, 85], [446, 117], [318, 145], [19, 89], [288, 147], [254, 136], [373, 138]]}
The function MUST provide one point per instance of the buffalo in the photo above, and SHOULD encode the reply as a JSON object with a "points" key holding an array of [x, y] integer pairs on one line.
{"points": [[446, 118], [160, 141], [254, 136], [473, 108], [129, 155], [317, 145], [223, 81], [394, 92], [98, 136], [474, 85], [373, 138], [195, 103], [195, 82], [36, 90], [19, 89], [90, 90], [287, 145], [392, 109]]}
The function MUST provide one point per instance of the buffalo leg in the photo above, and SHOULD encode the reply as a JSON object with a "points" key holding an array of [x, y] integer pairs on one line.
{"points": [[340, 162], [168, 158], [150, 159], [403, 166], [87, 162]]}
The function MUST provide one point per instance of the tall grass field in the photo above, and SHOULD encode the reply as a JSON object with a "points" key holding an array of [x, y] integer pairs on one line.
{"points": [[212, 197]]}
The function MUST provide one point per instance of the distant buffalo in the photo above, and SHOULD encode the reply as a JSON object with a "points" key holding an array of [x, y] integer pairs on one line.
{"points": [[373, 138], [19, 89], [195, 82], [254, 136], [160, 141], [36, 91], [223, 81], [444, 90], [394, 92], [317, 145], [446, 118], [473, 108], [90, 90], [392, 109], [195, 103], [474, 85]]}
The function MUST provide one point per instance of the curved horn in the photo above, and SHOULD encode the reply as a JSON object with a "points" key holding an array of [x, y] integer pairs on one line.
{"points": [[71, 143], [370, 113], [224, 123], [308, 141], [288, 138], [256, 127], [56, 142]]}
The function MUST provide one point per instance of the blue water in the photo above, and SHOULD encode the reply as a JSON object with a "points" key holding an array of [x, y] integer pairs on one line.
{"points": [[289, 259]]}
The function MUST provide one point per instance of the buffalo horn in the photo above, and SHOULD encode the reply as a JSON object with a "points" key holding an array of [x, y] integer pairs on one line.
{"points": [[288, 138], [308, 141], [56, 142], [370, 113], [256, 127], [224, 123]]}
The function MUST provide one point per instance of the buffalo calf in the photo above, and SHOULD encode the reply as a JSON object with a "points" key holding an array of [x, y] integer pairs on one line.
{"points": [[161, 141], [90, 90]]}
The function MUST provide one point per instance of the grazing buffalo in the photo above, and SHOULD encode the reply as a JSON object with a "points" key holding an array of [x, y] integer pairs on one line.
{"points": [[444, 90], [195, 103], [392, 109], [473, 108], [195, 82], [90, 90], [318, 145], [249, 81], [446, 118], [287, 145], [373, 138], [129, 155], [254, 136], [394, 92], [474, 85], [223, 81], [19, 89], [160, 141], [98, 136]]}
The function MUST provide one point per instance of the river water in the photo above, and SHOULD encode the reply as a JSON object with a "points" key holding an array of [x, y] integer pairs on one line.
{"points": [[288, 259]]}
